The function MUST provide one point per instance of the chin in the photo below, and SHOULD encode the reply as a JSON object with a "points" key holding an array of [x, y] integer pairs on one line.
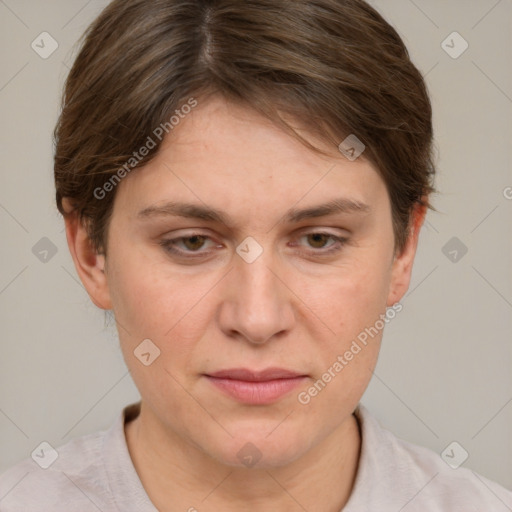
{"points": [[256, 451]]}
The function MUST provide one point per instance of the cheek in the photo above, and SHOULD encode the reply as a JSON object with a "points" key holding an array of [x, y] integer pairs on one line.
{"points": [[345, 362], [358, 306], [354, 299], [170, 308]]}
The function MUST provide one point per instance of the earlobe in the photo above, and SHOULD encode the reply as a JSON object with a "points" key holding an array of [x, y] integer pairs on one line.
{"points": [[403, 262], [89, 264]]}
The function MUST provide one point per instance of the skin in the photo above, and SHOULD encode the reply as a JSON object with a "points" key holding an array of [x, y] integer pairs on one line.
{"points": [[291, 308]]}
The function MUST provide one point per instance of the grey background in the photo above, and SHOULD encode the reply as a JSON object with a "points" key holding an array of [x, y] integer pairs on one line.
{"points": [[444, 370]]}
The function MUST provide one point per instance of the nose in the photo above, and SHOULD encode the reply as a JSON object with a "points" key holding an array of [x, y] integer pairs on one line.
{"points": [[257, 305]]}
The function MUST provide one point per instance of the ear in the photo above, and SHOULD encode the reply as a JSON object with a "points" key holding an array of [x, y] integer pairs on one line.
{"points": [[402, 264], [89, 264]]}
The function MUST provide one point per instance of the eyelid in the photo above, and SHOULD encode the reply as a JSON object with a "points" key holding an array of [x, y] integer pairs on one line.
{"points": [[168, 243], [339, 242]]}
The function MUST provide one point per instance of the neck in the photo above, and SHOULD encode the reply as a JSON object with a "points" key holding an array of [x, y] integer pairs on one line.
{"points": [[180, 477]]}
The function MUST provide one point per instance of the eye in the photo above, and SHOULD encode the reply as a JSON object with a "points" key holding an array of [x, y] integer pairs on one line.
{"points": [[319, 242], [191, 245]]}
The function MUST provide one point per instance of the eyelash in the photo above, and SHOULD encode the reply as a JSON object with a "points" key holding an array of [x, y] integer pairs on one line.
{"points": [[168, 245]]}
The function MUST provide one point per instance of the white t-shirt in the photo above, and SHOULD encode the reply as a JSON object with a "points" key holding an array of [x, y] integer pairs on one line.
{"points": [[95, 473]]}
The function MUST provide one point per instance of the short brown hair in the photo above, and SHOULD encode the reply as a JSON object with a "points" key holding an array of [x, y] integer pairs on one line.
{"points": [[334, 65]]}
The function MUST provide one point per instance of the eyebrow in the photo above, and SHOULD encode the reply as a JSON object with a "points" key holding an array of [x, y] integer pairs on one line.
{"points": [[293, 215]]}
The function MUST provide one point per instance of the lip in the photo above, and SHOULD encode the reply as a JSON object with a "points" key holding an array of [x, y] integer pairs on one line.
{"points": [[256, 387]]}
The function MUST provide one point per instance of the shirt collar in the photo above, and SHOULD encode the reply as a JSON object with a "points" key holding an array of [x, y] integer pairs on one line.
{"points": [[131, 496], [125, 484]]}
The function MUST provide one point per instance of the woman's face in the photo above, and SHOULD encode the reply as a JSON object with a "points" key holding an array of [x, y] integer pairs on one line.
{"points": [[272, 295]]}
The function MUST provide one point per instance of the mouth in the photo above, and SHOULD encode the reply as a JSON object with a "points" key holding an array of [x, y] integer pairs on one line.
{"points": [[256, 387]]}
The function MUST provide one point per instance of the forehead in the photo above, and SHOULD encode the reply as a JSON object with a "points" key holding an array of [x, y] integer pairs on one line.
{"points": [[228, 128], [231, 158]]}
